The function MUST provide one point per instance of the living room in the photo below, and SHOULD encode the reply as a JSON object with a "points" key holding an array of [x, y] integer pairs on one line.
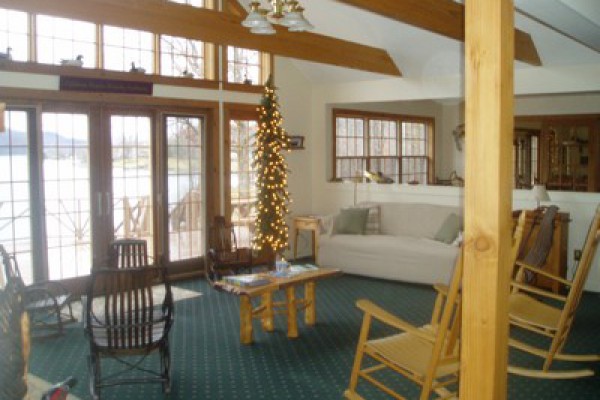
{"points": [[566, 84]]}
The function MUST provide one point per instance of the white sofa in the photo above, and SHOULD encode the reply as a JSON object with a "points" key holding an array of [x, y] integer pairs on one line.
{"points": [[403, 250]]}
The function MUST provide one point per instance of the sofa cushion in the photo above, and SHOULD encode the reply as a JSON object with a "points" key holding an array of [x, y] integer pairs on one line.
{"points": [[372, 226], [449, 229], [414, 219], [351, 221]]}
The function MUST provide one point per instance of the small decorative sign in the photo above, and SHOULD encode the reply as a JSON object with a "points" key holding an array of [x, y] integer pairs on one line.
{"points": [[80, 84]]}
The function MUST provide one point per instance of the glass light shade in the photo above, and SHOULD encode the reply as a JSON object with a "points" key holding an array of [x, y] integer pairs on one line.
{"points": [[263, 30], [307, 26], [255, 20]]}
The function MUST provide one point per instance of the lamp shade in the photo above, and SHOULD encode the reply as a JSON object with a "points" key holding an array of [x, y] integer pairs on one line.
{"points": [[539, 194]]}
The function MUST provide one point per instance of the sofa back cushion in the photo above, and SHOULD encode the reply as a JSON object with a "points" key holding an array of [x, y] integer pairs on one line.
{"points": [[414, 219]]}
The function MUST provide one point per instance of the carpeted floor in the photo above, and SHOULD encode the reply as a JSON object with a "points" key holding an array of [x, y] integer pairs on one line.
{"points": [[210, 363]]}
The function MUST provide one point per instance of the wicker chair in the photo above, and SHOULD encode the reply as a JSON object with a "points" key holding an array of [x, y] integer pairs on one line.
{"points": [[48, 303], [129, 313], [14, 335]]}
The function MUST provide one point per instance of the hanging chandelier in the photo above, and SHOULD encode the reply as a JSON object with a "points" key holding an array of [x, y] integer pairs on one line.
{"points": [[286, 13]]}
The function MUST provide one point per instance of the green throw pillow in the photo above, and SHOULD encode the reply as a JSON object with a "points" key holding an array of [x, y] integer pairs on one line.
{"points": [[449, 229], [351, 221]]}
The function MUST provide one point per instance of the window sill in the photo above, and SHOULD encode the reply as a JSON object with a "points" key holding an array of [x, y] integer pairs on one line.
{"points": [[48, 69], [242, 87]]}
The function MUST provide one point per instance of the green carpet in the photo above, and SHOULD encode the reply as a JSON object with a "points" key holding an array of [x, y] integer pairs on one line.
{"points": [[210, 363]]}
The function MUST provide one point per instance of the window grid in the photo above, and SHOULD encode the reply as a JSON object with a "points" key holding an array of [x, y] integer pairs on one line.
{"points": [[65, 39], [124, 48], [14, 33], [397, 147], [185, 194], [193, 3], [67, 194], [181, 57], [243, 65]]}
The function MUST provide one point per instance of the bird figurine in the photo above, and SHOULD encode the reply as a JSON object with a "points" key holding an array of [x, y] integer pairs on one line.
{"points": [[187, 74], [137, 70], [77, 62], [7, 55]]}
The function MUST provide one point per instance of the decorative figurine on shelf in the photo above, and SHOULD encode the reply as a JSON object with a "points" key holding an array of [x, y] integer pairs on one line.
{"points": [[137, 70], [247, 81], [7, 55], [187, 74], [377, 177], [77, 62]]}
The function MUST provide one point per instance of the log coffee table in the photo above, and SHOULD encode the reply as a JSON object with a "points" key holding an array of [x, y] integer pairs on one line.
{"points": [[267, 307]]}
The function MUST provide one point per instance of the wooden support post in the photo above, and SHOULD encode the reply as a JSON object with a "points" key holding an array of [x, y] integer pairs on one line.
{"points": [[489, 54]]}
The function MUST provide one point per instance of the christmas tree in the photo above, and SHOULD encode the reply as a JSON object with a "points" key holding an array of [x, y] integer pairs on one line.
{"points": [[271, 170]]}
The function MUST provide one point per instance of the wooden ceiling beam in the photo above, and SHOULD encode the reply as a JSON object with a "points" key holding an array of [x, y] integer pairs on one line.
{"points": [[444, 17], [222, 28]]}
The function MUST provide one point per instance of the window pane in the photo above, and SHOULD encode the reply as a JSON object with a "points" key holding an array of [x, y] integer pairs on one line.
{"points": [[181, 56], [67, 194], [125, 47], [14, 33], [414, 170], [185, 187], [15, 213], [242, 179], [61, 38], [194, 3]]}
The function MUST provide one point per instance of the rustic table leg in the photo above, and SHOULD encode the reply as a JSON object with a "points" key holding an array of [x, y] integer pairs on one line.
{"points": [[245, 320], [267, 313], [292, 312], [310, 313]]}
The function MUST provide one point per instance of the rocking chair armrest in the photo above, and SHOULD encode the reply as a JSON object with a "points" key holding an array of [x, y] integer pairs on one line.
{"points": [[55, 288], [371, 309], [546, 274], [538, 291], [441, 288], [39, 297]]}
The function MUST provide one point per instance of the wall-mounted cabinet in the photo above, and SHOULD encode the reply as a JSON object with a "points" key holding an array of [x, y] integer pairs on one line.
{"points": [[570, 153]]}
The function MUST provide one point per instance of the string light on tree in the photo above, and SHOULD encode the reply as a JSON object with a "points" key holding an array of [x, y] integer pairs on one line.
{"points": [[271, 181]]}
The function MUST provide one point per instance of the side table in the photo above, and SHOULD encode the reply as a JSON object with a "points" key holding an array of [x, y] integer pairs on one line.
{"points": [[308, 223]]}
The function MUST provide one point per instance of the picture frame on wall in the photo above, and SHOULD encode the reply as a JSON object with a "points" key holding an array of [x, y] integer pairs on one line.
{"points": [[296, 142]]}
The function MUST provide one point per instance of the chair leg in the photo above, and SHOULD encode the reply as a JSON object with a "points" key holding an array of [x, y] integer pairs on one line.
{"points": [[362, 339], [94, 376], [165, 363]]}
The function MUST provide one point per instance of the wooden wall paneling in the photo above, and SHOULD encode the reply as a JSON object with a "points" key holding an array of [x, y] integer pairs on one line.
{"points": [[216, 27], [444, 17], [488, 197]]}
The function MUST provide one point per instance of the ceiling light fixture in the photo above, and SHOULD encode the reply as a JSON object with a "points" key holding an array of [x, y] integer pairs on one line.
{"points": [[286, 13]]}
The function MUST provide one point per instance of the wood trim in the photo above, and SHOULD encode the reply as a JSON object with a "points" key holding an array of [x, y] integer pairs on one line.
{"points": [[47, 69], [444, 17], [212, 26], [235, 8], [489, 55]]}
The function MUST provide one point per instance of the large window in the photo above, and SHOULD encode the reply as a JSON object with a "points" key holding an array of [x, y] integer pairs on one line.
{"points": [[61, 38], [398, 147], [14, 33], [181, 57]]}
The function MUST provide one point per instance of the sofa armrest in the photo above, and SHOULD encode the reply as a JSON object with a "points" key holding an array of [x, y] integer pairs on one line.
{"points": [[326, 224]]}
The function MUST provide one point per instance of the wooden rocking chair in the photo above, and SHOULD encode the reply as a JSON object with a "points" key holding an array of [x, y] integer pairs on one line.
{"points": [[427, 355], [128, 253], [224, 255], [529, 310]]}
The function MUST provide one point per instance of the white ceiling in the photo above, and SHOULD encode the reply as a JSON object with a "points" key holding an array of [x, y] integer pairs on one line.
{"points": [[422, 54]]}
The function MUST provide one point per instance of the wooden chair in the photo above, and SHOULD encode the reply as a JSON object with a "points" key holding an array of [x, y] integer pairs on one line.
{"points": [[128, 253], [48, 303], [129, 312], [224, 255], [427, 355], [530, 309]]}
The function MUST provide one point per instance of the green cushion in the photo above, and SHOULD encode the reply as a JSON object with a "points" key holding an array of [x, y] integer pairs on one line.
{"points": [[351, 221], [449, 229]]}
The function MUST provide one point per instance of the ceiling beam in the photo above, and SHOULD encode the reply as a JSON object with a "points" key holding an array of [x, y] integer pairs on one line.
{"points": [[444, 17], [222, 28]]}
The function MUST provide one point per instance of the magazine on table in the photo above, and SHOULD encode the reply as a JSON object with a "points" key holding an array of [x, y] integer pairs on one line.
{"points": [[247, 280]]}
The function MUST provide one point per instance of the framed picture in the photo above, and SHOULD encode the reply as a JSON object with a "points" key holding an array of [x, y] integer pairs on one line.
{"points": [[297, 142]]}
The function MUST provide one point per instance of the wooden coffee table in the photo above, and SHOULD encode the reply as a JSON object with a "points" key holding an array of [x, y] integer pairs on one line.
{"points": [[268, 308]]}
